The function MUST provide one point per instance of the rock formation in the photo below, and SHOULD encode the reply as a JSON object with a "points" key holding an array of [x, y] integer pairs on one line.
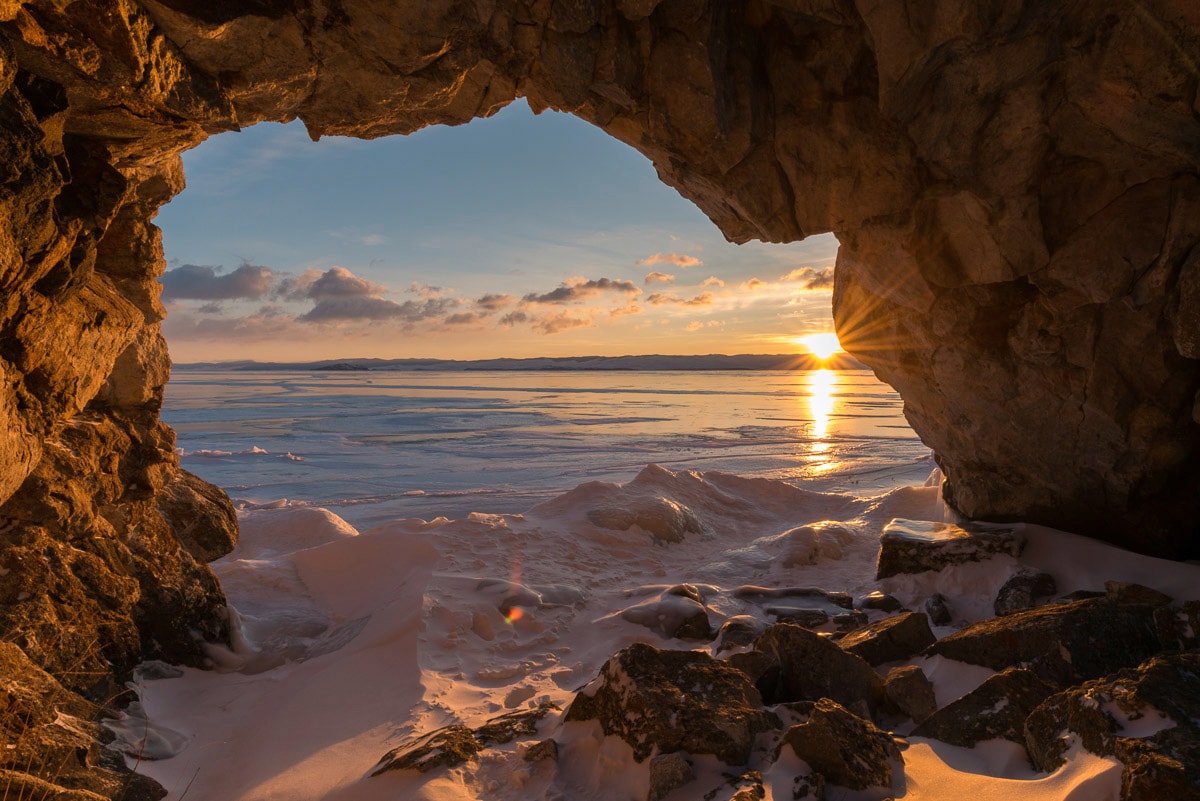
{"points": [[1014, 184]]}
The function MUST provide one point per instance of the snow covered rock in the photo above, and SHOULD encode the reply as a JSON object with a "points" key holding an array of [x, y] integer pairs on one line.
{"points": [[1025, 590], [677, 612], [914, 546], [909, 690], [738, 631], [890, 639], [809, 607], [995, 709], [665, 701], [843, 748], [664, 519], [1148, 718], [1063, 643], [454, 745], [790, 663], [747, 786]]}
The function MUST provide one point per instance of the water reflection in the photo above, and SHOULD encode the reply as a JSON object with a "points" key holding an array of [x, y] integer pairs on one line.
{"points": [[821, 400]]}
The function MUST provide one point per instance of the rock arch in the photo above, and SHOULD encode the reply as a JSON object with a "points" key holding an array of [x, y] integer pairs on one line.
{"points": [[1015, 185]]}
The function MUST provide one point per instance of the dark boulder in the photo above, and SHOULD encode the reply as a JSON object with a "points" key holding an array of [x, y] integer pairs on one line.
{"points": [[890, 639], [1178, 627], [793, 664], [1025, 590], [1147, 717], [1063, 643], [665, 701], [845, 749], [909, 690], [995, 709]]}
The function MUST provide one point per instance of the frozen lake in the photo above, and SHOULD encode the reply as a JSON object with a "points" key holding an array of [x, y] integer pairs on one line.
{"points": [[377, 446]]}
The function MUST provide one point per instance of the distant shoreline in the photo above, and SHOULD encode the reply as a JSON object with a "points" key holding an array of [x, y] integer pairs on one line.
{"points": [[711, 362]]}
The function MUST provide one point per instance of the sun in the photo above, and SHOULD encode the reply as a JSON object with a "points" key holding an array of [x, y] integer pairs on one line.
{"points": [[821, 345]]}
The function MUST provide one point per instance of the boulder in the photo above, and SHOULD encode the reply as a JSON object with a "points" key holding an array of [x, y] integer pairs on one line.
{"points": [[738, 631], [1063, 643], [915, 546], [1125, 592], [1025, 590], [880, 602], [666, 701], [843, 748], [995, 709], [938, 610], [746, 786], [909, 690], [890, 639], [790, 663], [1146, 717], [1178, 627], [668, 772]]}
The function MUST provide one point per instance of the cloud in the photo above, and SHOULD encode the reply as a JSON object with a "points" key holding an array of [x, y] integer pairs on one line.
{"points": [[465, 318], [712, 280], [669, 258], [578, 288], [811, 278], [557, 323], [697, 325], [202, 282], [342, 296], [514, 318], [372, 240], [754, 283], [494, 302], [663, 298], [660, 278], [347, 309], [338, 282]]}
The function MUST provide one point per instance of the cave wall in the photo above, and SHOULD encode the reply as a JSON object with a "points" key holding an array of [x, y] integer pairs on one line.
{"points": [[1015, 185]]}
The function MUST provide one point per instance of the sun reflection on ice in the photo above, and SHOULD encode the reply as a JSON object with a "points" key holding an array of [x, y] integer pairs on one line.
{"points": [[822, 398]]}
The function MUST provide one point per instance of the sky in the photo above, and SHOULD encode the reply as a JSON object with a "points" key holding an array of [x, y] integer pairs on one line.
{"points": [[512, 236]]}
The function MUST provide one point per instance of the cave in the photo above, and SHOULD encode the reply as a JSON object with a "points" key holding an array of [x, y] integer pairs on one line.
{"points": [[1015, 187]]}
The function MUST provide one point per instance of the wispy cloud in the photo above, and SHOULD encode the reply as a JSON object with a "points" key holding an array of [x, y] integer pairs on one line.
{"points": [[678, 259], [660, 278], [810, 278], [712, 280]]}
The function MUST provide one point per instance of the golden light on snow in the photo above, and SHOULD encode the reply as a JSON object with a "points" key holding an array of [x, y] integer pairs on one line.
{"points": [[821, 345]]}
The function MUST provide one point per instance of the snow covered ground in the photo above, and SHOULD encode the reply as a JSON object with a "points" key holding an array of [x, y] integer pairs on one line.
{"points": [[349, 643]]}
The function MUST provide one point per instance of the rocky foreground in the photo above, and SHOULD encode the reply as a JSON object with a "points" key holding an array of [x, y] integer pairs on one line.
{"points": [[1114, 673]]}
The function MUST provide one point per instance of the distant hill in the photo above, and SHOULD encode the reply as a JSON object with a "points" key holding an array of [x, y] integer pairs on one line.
{"points": [[749, 361]]}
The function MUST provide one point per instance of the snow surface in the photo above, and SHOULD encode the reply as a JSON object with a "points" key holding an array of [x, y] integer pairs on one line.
{"points": [[349, 644]]}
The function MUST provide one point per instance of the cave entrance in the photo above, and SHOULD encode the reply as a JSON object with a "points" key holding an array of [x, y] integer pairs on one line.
{"points": [[515, 236]]}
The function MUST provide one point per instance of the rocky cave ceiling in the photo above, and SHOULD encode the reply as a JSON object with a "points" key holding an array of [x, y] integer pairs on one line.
{"points": [[1014, 183]]}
